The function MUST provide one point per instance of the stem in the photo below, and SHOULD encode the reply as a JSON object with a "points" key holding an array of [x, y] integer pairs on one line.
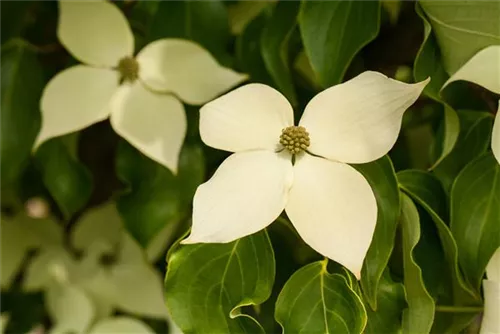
{"points": [[459, 309]]}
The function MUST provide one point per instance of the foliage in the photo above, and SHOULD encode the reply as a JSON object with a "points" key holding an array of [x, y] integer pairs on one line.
{"points": [[92, 220]]}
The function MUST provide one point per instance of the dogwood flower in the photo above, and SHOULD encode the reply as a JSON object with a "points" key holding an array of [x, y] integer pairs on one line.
{"points": [[113, 83], [330, 203], [491, 291], [82, 290], [484, 69]]}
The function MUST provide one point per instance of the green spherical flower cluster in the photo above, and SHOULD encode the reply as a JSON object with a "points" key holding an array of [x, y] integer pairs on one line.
{"points": [[129, 69], [295, 139]]}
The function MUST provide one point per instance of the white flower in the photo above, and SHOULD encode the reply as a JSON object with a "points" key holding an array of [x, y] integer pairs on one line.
{"points": [[331, 205], [491, 291], [97, 34], [92, 289], [484, 69]]}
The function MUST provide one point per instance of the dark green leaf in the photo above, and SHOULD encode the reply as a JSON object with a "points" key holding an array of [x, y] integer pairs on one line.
{"points": [[419, 315], [155, 196], [390, 304], [14, 18], [315, 301], [204, 22], [248, 54], [207, 284], [275, 46], [21, 88], [334, 31], [428, 64], [446, 285], [474, 140], [475, 218], [382, 178], [463, 28], [68, 181], [449, 137], [428, 61], [428, 192]]}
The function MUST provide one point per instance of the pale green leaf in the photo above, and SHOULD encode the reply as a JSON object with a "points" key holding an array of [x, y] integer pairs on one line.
{"points": [[207, 284], [419, 315], [333, 32], [463, 28], [475, 218], [315, 301]]}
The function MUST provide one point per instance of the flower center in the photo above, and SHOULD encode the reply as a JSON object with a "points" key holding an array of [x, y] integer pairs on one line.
{"points": [[295, 139], [129, 69]]}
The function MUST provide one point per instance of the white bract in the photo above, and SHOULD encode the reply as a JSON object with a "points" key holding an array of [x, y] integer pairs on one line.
{"points": [[330, 203], [139, 93], [491, 291], [484, 69]]}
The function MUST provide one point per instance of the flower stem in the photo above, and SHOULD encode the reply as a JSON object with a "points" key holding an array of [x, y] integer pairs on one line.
{"points": [[459, 309]]}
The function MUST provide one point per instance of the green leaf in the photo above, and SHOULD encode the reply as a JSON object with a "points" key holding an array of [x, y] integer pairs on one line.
{"points": [[382, 178], [156, 197], [205, 22], [68, 181], [21, 88], [248, 46], [275, 46], [474, 140], [428, 64], [14, 19], [4, 319], [419, 315], [315, 301], [334, 31], [207, 284], [463, 28], [390, 304], [428, 61], [243, 12], [475, 218], [451, 129], [449, 285]]}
